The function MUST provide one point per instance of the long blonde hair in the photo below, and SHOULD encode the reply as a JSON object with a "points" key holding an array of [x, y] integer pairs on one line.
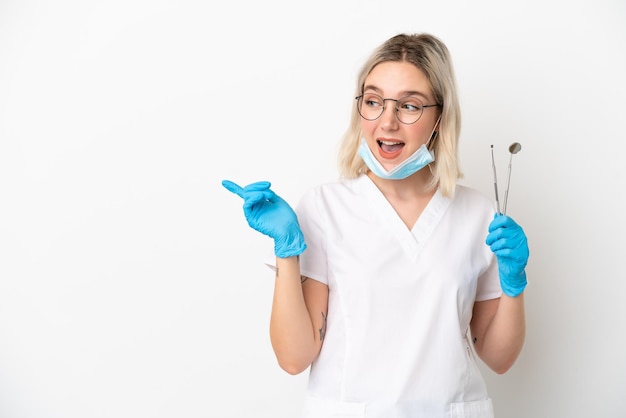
{"points": [[432, 57]]}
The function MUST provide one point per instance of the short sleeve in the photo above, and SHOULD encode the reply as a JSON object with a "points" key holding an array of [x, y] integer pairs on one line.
{"points": [[488, 286], [313, 261]]}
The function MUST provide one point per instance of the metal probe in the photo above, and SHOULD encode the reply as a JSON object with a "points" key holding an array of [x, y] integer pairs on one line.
{"points": [[495, 180]]}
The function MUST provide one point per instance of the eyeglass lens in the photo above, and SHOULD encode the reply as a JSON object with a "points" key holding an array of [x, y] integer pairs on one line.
{"points": [[408, 109]]}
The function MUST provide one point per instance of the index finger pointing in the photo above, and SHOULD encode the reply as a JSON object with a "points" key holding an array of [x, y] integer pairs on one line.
{"points": [[233, 187]]}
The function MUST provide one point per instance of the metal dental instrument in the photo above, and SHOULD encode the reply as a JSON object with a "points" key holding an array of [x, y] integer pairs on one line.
{"points": [[514, 148], [495, 179]]}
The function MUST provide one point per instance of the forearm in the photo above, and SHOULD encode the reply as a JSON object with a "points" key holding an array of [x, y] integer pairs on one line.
{"points": [[291, 329], [504, 337]]}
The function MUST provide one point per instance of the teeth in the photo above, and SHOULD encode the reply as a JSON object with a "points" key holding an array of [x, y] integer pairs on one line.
{"points": [[390, 142]]}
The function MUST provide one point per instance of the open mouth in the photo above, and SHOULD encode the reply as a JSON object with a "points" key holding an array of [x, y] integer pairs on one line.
{"points": [[390, 149]]}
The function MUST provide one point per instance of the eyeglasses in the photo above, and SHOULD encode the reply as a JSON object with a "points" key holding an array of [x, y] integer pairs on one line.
{"points": [[408, 109]]}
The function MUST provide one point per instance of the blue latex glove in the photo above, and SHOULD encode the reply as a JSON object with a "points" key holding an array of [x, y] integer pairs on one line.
{"points": [[269, 214], [508, 242]]}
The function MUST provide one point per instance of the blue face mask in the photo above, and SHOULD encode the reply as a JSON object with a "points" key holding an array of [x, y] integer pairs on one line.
{"points": [[418, 160]]}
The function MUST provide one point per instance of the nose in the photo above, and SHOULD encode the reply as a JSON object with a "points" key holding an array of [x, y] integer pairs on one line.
{"points": [[389, 119]]}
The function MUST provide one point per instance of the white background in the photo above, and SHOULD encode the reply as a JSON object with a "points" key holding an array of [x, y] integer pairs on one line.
{"points": [[130, 283]]}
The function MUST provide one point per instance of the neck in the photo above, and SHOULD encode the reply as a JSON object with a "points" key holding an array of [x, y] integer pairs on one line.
{"points": [[414, 186], [408, 197]]}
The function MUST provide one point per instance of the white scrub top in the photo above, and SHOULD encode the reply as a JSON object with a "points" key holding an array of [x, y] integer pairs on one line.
{"points": [[400, 302]]}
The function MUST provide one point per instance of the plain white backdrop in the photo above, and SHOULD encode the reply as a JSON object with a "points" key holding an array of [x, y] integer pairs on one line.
{"points": [[130, 283]]}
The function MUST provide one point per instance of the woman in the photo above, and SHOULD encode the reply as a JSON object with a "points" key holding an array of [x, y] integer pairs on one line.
{"points": [[388, 277]]}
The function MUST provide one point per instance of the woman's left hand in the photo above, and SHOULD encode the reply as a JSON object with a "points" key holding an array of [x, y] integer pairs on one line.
{"points": [[508, 242]]}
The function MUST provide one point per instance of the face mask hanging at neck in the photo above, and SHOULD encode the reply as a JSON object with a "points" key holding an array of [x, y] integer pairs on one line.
{"points": [[418, 160]]}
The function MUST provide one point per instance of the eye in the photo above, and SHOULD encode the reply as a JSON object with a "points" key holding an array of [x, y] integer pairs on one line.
{"points": [[372, 100], [410, 105]]}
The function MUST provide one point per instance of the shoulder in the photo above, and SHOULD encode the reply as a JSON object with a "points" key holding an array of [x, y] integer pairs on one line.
{"points": [[471, 210], [472, 196], [333, 196], [473, 203], [338, 187]]}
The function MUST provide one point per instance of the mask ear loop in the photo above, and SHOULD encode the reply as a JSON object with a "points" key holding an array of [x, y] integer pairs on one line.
{"points": [[433, 134]]}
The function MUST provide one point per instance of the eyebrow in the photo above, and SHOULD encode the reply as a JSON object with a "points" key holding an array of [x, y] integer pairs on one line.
{"points": [[404, 93]]}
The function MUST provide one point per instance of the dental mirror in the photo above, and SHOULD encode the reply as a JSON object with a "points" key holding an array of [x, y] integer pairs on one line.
{"points": [[514, 148]]}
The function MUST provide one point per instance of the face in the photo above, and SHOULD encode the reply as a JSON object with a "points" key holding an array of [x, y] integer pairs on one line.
{"points": [[390, 140]]}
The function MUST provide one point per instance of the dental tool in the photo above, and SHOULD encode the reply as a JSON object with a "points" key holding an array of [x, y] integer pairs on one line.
{"points": [[495, 180], [514, 148]]}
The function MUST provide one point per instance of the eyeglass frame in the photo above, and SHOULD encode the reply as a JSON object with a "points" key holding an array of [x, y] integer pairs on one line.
{"points": [[358, 107]]}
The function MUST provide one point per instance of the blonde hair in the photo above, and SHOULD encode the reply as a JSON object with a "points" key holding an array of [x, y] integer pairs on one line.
{"points": [[432, 57]]}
